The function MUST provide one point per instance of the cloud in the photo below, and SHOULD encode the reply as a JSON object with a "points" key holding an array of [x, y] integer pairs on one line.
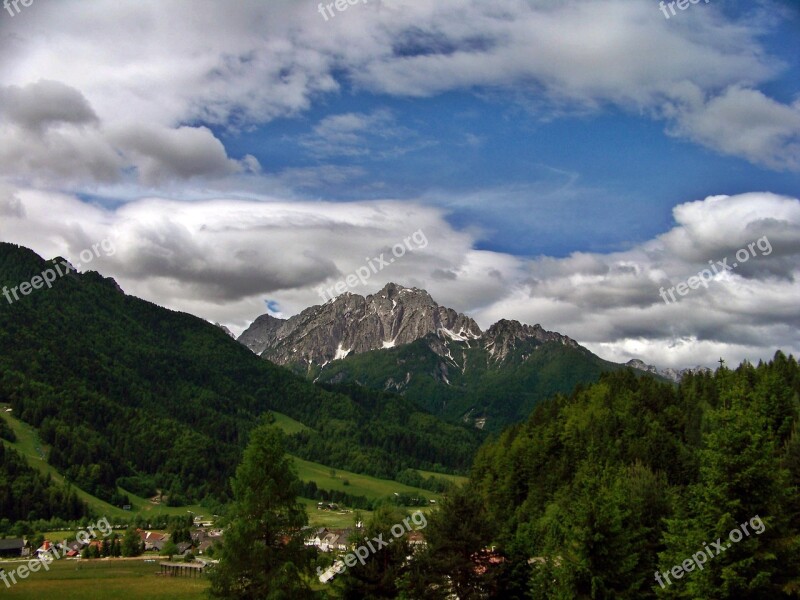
{"points": [[376, 134], [161, 154], [52, 135], [611, 301], [115, 100], [263, 61], [745, 123], [43, 104], [221, 258]]}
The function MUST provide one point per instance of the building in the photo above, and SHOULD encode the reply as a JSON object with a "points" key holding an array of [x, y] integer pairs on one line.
{"points": [[12, 548]]}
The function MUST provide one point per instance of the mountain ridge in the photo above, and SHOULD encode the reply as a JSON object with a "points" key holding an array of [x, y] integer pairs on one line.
{"points": [[401, 340], [355, 324]]}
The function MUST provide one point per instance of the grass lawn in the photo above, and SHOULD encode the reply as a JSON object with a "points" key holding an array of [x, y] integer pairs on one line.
{"points": [[102, 579], [329, 518], [359, 485], [457, 479], [288, 424]]}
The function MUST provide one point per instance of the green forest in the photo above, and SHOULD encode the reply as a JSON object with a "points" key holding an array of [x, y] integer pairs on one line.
{"points": [[128, 393], [27, 495], [600, 490]]}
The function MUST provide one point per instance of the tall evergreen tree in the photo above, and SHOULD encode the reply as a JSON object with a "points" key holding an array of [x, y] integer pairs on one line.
{"points": [[262, 557]]}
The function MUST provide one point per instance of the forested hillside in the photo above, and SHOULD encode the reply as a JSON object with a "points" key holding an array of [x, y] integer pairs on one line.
{"points": [[464, 381], [124, 391], [26, 494], [599, 490]]}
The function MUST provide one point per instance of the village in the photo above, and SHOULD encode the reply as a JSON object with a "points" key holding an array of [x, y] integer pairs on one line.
{"points": [[194, 555]]}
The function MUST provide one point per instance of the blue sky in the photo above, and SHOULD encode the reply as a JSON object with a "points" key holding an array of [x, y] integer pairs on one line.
{"points": [[565, 160], [618, 166]]}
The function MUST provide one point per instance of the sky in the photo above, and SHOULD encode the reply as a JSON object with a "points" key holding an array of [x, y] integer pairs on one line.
{"points": [[593, 166]]}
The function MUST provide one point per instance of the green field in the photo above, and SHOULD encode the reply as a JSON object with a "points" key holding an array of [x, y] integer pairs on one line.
{"points": [[329, 518], [373, 488], [288, 424], [34, 451], [359, 485], [456, 479], [100, 579]]}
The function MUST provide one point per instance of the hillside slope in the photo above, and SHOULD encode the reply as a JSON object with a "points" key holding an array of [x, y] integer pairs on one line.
{"points": [[400, 340], [126, 392]]}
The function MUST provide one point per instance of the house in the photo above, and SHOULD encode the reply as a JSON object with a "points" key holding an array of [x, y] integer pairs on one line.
{"points": [[45, 550], [335, 540], [69, 549], [328, 543], [416, 539], [12, 547], [184, 547], [315, 539], [486, 559], [153, 541], [342, 543]]}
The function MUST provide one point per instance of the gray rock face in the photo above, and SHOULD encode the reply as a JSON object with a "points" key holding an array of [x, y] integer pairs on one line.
{"points": [[672, 374], [226, 330], [504, 336], [261, 333], [351, 324]]}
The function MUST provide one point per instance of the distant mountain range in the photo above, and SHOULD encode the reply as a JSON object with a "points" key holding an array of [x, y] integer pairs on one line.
{"points": [[672, 374], [401, 340]]}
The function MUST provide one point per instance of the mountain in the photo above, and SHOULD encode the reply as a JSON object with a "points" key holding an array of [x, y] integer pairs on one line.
{"points": [[130, 394], [401, 340], [674, 375], [352, 324]]}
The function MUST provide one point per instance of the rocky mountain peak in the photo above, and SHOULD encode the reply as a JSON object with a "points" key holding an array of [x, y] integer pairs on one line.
{"points": [[353, 324], [504, 336], [261, 333], [393, 316]]}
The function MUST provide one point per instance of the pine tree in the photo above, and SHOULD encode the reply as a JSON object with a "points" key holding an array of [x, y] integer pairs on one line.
{"points": [[131, 543], [262, 556], [741, 479]]}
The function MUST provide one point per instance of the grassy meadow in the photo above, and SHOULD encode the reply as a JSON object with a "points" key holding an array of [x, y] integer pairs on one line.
{"points": [[101, 579]]}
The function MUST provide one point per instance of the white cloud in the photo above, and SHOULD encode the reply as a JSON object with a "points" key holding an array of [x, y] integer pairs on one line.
{"points": [[221, 259], [164, 154], [51, 135], [120, 95], [746, 123], [361, 134], [239, 68]]}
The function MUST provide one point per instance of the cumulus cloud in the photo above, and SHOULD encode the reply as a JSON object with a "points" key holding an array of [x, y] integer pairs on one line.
{"points": [[612, 302], [51, 133], [222, 259], [162, 154], [115, 97], [241, 68], [746, 123], [45, 103]]}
